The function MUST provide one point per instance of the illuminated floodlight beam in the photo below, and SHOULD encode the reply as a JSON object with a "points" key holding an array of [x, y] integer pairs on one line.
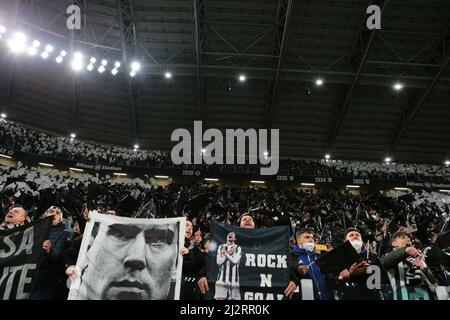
{"points": [[17, 43], [61, 56], [46, 53], [135, 67], [77, 62], [32, 51], [103, 65], [91, 64], [116, 68]]}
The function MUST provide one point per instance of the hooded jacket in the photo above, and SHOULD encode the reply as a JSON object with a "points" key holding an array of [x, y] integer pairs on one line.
{"points": [[305, 257]]}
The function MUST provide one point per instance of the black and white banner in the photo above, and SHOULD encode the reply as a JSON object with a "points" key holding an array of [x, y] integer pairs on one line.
{"points": [[20, 254], [129, 259], [247, 264]]}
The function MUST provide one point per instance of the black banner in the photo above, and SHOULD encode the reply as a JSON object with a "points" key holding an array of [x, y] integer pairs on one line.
{"points": [[248, 264], [20, 254]]}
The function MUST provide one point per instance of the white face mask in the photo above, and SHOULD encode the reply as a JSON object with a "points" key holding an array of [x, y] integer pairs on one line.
{"points": [[357, 244], [308, 246]]}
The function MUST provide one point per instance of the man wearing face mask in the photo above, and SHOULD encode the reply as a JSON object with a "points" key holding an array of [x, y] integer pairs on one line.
{"points": [[354, 279], [305, 254]]}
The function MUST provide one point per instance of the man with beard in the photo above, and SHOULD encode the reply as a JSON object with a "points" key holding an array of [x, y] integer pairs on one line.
{"points": [[130, 262]]}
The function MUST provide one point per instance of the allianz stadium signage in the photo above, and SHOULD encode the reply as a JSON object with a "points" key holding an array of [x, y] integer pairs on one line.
{"points": [[427, 185], [97, 167]]}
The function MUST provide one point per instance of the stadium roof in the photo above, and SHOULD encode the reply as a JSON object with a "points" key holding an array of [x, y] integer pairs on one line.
{"points": [[282, 47]]}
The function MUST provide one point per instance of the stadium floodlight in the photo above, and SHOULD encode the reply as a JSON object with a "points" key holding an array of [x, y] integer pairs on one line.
{"points": [[118, 174], [32, 51], [3, 115], [242, 78], [387, 159], [168, 75], [46, 53], [17, 43], [73, 135], [307, 184], [77, 62], [136, 146], [135, 66], [319, 82], [398, 86], [211, 179], [257, 181], [2, 31], [447, 163], [76, 169], [327, 156], [161, 177], [115, 71], [90, 66], [46, 164], [103, 65], [61, 56]]}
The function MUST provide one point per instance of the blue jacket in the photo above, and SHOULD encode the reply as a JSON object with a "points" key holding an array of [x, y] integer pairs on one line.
{"points": [[51, 271], [306, 258]]}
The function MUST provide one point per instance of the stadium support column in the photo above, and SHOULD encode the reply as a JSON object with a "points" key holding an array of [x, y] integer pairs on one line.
{"points": [[199, 14], [76, 77], [127, 27], [347, 93], [280, 45]]}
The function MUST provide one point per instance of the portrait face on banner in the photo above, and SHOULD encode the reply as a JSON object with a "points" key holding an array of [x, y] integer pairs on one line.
{"points": [[129, 259]]}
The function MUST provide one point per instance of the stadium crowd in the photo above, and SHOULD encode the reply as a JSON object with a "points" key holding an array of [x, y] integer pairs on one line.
{"points": [[20, 138], [373, 223]]}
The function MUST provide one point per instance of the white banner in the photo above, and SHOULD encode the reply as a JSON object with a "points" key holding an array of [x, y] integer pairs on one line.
{"points": [[129, 259]]}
